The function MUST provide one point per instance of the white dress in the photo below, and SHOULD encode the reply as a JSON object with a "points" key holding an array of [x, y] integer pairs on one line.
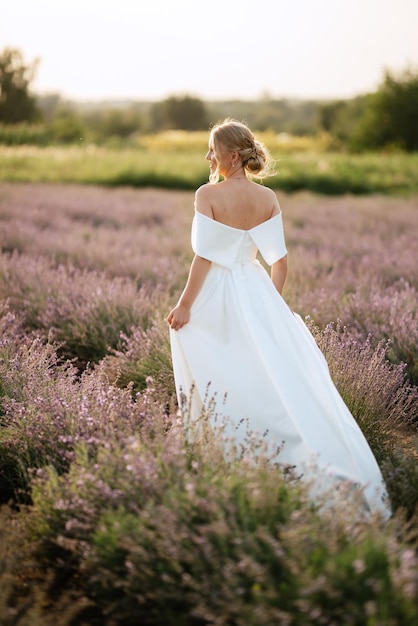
{"points": [[262, 362]]}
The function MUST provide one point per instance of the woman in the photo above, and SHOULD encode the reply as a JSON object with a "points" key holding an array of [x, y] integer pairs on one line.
{"points": [[232, 330]]}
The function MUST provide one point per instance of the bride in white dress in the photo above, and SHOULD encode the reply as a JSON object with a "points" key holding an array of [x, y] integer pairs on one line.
{"points": [[232, 330]]}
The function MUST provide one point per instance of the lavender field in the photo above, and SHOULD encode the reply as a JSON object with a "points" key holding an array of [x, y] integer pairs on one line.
{"points": [[112, 515]]}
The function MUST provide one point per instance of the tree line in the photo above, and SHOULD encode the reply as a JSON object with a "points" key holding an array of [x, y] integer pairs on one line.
{"points": [[384, 119]]}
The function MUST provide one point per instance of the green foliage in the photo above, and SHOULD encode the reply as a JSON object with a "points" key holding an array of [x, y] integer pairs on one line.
{"points": [[156, 163], [24, 134], [385, 119], [66, 127], [143, 359], [391, 115], [400, 471], [114, 123], [16, 103], [341, 119], [334, 174], [283, 116], [296, 117], [179, 113], [176, 535], [26, 594]]}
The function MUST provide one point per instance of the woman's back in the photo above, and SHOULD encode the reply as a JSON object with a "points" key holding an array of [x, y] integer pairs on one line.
{"points": [[239, 203]]}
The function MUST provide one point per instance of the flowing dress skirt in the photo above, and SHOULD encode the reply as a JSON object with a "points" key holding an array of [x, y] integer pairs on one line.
{"points": [[266, 370], [262, 364]]}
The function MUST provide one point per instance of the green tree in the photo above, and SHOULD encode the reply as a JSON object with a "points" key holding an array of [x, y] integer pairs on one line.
{"points": [[328, 114], [16, 103], [114, 122], [391, 114], [341, 118], [66, 126], [179, 113]]}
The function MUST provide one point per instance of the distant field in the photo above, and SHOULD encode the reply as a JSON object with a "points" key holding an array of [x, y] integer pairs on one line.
{"points": [[177, 161]]}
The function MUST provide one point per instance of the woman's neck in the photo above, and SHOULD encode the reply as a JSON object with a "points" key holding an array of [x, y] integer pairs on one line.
{"points": [[238, 174]]}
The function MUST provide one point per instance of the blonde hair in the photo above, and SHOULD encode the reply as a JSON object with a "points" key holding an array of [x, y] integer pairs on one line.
{"points": [[235, 135]]}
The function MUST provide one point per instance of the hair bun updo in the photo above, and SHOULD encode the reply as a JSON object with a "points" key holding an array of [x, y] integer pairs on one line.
{"points": [[255, 159], [235, 135]]}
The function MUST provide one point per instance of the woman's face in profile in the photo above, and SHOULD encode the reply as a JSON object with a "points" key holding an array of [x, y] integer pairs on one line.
{"points": [[224, 161]]}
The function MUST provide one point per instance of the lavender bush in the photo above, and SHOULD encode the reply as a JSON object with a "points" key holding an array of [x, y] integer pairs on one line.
{"points": [[25, 590], [48, 409], [144, 354], [84, 311], [160, 533], [130, 521], [375, 390], [121, 233], [358, 265]]}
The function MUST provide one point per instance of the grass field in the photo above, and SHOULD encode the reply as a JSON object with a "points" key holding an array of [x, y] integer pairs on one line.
{"points": [[176, 161], [111, 515]]}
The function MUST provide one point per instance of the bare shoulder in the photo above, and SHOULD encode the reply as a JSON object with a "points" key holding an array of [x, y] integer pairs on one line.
{"points": [[203, 199], [271, 198]]}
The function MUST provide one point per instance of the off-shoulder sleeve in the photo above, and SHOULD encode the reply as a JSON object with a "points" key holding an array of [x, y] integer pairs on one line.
{"points": [[269, 239], [213, 241]]}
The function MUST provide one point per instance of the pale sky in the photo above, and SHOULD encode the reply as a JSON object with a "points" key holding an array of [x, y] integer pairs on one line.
{"points": [[218, 49]]}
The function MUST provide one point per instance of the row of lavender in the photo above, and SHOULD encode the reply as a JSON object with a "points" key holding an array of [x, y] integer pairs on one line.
{"points": [[140, 524]]}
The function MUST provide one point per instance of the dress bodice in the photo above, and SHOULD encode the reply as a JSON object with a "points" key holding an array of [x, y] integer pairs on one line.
{"points": [[229, 246]]}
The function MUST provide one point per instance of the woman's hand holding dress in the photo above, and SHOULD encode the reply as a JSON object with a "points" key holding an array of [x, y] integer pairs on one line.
{"points": [[180, 315]]}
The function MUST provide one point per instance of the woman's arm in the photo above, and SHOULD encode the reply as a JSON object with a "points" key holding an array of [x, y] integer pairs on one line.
{"points": [[180, 315], [279, 273]]}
